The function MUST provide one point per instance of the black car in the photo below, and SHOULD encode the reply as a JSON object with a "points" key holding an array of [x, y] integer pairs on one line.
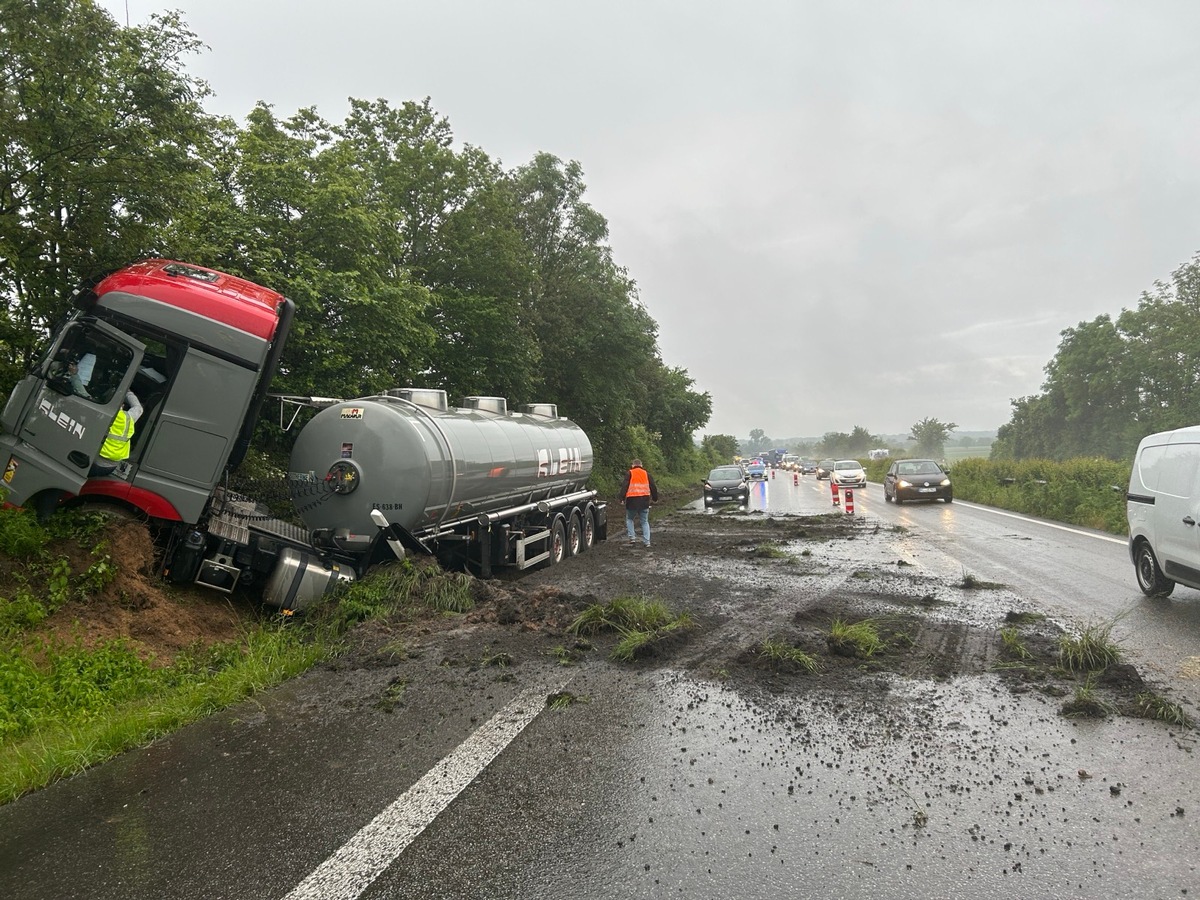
{"points": [[726, 483], [917, 479], [824, 467]]}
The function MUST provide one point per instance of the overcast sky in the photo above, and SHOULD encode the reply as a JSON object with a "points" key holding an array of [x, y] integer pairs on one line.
{"points": [[838, 213]]}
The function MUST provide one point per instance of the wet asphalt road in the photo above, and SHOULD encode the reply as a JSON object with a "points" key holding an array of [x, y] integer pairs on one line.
{"points": [[1072, 573], [660, 785]]}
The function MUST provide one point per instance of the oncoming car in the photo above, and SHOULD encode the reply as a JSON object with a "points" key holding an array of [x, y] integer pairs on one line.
{"points": [[916, 479], [756, 468], [726, 483], [824, 468], [848, 473]]}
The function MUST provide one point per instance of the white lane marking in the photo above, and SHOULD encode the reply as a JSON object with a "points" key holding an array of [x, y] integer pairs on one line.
{"points": [[1000, 512], [358, 862]]}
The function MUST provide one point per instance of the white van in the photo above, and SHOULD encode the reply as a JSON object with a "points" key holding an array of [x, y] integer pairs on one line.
{"points": [[1163, 509]]}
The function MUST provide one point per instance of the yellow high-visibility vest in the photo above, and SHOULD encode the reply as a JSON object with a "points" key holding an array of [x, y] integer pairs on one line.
{"points": [[120, 433]]}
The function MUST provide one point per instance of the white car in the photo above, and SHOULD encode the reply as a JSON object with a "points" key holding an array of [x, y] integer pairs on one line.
{"points": [[848, 473]]}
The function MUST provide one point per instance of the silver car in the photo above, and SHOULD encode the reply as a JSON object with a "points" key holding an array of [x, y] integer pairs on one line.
{"points": [[848, 473]]}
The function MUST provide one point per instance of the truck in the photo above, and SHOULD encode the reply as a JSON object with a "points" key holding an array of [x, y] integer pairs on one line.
{"points": [[774, 458], [372, 479]]}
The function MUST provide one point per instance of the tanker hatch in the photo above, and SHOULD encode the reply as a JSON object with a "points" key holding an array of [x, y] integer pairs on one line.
{"points": [[497, 405], [344, 476], [431, 398]]}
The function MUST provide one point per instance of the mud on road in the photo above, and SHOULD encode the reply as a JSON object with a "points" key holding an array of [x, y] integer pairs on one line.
{"points": [[758, 588]]}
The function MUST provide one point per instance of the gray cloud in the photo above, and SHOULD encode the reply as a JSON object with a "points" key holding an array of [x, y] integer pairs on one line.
{"points": [[899, 206]]}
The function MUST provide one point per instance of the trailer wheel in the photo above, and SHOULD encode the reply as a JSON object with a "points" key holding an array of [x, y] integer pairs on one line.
{"points": [[574, 535], [558, 543], [587, 536]]}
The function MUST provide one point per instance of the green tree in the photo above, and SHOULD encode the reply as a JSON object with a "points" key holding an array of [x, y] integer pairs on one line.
{"points": [[100, 131], [719, 448], [930, 435], [860, 442], [834, 444], [758, 441], [599, 357], [309, 231], [1110, 382]]}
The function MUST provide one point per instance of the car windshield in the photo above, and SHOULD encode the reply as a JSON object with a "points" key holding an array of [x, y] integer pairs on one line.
{"points": [[919, 467], [844, 464], [724, 473]]}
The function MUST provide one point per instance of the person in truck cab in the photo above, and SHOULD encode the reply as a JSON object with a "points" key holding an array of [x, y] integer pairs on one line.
{"points": [[115, 448]]}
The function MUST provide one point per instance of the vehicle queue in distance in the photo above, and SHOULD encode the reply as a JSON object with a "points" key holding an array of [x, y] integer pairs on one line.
{"points": [[906, 479]]}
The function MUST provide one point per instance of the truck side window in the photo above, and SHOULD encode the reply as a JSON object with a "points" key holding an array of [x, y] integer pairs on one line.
{"points": [[89, 364]]}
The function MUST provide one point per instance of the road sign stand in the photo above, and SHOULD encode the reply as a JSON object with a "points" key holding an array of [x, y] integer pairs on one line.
{"points": [[850, 501], [833, 486]]}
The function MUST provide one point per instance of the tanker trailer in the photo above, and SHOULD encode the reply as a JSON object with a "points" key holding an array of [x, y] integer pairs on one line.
{"points": [[478, 486]]}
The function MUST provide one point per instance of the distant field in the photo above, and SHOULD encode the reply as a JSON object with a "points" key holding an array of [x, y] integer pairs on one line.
{"points": [[953, 454]]}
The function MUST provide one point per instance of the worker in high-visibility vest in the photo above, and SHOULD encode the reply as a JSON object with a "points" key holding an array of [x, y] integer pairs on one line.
{"points": [[637, 492], [115, 448]]}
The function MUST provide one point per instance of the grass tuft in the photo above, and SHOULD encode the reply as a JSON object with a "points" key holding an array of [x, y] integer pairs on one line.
{"points": [[1012, 645], [857, 639], [643, 623], [1091, 651], [784, 653], [1152, 706]]}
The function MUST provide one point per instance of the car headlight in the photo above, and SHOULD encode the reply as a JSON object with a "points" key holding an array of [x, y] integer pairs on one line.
{"points": [[945, 482], [904, 484]]}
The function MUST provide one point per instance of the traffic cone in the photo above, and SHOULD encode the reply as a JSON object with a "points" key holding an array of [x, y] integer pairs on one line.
{"points": [[796, 478], [850, 501], [834, 487], [772, 473]]}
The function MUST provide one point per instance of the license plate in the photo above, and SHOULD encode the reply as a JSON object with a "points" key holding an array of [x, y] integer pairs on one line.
{"points": [[926, 490]]}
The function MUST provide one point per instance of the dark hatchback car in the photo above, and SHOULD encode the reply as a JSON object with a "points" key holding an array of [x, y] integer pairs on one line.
{"points": [[824, 467], [917, 479], [726, 483]]}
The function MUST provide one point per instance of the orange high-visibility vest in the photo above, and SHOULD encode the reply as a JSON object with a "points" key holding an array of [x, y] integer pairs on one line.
{"points": [[639, 483]]}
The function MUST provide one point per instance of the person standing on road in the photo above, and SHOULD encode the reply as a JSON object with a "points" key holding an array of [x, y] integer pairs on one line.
{"points": [[638, 491]]}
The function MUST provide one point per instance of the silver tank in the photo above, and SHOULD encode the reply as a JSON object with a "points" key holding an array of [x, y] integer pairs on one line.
{"points": [[427, 467]]}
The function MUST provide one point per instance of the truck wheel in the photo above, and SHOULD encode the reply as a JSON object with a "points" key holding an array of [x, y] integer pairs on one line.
{"points": [[574, 535], [1150, 577], [558, 543], [587, 534]]}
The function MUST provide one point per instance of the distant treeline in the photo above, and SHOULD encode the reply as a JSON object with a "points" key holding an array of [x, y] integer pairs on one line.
{"points": [[1113, 382], [411, 261]]}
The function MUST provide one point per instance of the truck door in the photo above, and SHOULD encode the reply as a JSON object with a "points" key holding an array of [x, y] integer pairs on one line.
{"points": [[62, 412]]}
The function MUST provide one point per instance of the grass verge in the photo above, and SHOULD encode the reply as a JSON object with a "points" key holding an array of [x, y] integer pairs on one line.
{"points": [[62, 730], [64, 708]]}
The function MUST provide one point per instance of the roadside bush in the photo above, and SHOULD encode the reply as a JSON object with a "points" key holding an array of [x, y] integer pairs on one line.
{"points": [[1076, 491], [21, 537]]}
